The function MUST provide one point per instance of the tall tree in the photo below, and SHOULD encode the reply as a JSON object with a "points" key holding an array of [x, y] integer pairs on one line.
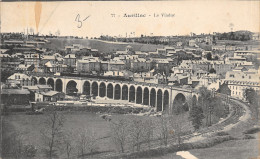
{"points": [[204, 100], [52, 132], [196, 116], [119, 133]]}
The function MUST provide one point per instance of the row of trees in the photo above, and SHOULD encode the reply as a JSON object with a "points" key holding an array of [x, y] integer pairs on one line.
{"points": [[137, 134], [56, 142], [127, 134], [252, 97], [209, 109], [74, 143], [238, 35]]}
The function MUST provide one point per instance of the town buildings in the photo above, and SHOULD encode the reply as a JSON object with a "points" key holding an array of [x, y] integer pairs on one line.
{"points": [[240, 79], [192, 61]]}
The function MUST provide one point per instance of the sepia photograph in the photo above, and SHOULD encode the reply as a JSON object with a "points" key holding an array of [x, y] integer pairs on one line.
{"points": [[130, 79]]}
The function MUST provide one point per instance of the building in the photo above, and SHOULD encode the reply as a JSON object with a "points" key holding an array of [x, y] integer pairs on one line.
{"points": [[221, 67], [197, 65], [52, 58], [161, 52], [123, 73], [140, 64], [192, 43], [247, 54], [14, 97], [219, 47], [88, 64], [20, 79], [240, 79], [70, 60], [32, 58], [54, 67], [73, 48], [208, 40], [164, 40], [9, 62], [50, 96], [128, 50], [104, 66], [116, 65], [23, 67], [179, 44]]}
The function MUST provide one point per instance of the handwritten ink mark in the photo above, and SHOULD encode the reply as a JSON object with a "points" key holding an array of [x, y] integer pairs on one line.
{"points": [[86, 18], [77, 19]]}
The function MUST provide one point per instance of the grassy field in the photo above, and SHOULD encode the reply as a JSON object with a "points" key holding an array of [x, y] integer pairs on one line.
{"points": [[234, 149], [31, 126], [102, 46]]}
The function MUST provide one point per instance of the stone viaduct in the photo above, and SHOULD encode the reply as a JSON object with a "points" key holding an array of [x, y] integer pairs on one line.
{"points": [[162, 97]]}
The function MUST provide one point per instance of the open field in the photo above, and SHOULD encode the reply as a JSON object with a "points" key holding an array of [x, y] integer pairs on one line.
{"points": [[102, 46], [234, 149], [31, 126]]}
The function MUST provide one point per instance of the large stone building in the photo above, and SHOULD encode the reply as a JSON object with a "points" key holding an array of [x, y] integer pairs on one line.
{"points": [[116, 65], [240, 79], [140, 64], [32, 58], [88, 64], [70, 60]]}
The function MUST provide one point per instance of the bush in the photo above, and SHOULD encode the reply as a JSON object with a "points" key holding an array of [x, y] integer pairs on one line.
{"points": [[248, 137], [222, 133], [95, 109], [175, 148], [30, 151], [252, 130]]}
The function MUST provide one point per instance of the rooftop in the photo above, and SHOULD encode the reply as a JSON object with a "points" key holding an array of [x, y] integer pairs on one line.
{"points": [[15, 91]]}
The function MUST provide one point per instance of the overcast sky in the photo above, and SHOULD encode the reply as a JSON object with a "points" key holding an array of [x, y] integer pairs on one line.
{"points": [[189, 16]]}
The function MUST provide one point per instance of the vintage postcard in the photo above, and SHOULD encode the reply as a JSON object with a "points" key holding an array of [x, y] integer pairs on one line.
{"points": [[130, 79]]}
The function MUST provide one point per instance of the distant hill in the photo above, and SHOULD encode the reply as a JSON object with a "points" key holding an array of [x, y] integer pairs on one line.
{"points": [[102, 46]]}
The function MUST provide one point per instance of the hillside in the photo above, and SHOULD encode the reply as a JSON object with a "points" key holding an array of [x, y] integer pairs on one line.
{"points": [[102, 46]]}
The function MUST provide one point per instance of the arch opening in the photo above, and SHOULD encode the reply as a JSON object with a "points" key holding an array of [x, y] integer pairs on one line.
{"points": [[94, 89], [152, 97], [34, 81], [102, 90], [125, 92], [146, 96], [165, 101], [42, 81], [71, 88], [179, 104], [59, 85], [110, 91], [139, 94], [132, 94], [86, 88], [159, 100], [50, 82], [117, 92]]}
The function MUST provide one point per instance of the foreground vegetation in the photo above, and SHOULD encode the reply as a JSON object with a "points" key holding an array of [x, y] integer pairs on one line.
{"points": [[73, 134], [80, 134]]}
